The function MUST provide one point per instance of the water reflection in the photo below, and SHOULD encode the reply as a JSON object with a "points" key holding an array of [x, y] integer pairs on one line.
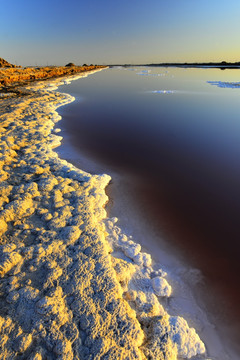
{"points": [[179, 138]]}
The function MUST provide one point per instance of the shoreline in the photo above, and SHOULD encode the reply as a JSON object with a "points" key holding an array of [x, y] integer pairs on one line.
{"points": [[54, 260], [136, 284], [12, 78], [204, 65], [183, 278], [192, 278]]}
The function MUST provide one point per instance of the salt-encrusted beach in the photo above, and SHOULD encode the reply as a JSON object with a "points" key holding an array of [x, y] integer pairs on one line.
{"points": [[73, 285]]}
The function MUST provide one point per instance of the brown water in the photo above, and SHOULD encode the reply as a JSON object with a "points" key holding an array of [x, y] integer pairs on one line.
{"points": [[179, 154]]}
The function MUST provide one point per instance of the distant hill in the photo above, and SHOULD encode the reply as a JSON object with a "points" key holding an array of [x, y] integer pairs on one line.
{"points": [[5, 63]]}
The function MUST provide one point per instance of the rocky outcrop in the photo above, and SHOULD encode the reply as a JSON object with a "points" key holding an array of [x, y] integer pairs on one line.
{"points": [[5, 63]]}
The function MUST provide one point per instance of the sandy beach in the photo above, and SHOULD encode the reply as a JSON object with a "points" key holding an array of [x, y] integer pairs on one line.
{"points": [[73, 284]]}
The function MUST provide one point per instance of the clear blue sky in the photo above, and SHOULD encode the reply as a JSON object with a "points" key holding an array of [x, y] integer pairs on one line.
{"points": [[112, 31]]}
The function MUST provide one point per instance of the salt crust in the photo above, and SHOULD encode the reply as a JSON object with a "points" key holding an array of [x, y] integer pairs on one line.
{"points": [[73, 285]]}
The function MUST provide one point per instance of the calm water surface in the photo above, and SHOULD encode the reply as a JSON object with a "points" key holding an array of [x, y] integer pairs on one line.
{"points": [[176, 134]]}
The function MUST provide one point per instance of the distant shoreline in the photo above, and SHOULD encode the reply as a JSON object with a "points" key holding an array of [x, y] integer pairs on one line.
{"points": [[219, 65]]}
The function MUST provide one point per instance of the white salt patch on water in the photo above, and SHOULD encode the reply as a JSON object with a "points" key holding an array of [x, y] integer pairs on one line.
{"points": [[198, 93], [144, 72], [57, 130], [148, 73], [223, 84], [162, 91]]}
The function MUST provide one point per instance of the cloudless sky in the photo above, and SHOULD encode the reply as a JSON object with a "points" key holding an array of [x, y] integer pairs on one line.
{"points": [[34, 32]]}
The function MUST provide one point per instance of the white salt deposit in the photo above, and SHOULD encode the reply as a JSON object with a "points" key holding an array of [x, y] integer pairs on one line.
{"points": [[144, 287], [225, 84], [149, 73], [163, 91], [59, 294], [161, 286]]}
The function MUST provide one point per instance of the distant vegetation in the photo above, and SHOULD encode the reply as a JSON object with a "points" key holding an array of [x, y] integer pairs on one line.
{"points": [[14, 75], [70, 64], [221, 65]]}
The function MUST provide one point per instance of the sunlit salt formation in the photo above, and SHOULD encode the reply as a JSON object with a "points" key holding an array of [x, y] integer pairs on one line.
{"points": [[60, 298], [143, 287], [63, 296]]}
